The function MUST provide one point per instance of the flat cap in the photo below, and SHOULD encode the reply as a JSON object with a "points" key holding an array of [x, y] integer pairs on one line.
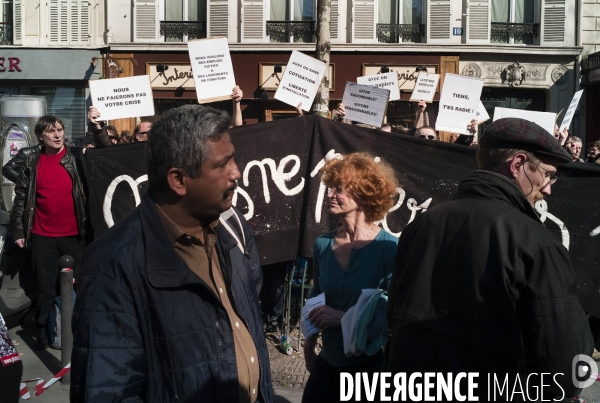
{"points": [[522, 134]]}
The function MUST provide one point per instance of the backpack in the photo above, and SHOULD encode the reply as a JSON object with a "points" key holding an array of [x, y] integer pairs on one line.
{"points": [[53, 325]]}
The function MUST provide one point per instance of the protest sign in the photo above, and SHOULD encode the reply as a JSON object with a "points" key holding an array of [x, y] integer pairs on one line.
{"points": [[365, 103], [126, 97], [571, 111], [301, 80], [481, 114], [425, 87], [212, 68], [458, 103], [544, 119], [389, 81]]}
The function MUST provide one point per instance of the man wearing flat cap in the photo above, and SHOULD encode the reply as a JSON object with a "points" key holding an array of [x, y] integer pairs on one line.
{"points": [[480, 285]]}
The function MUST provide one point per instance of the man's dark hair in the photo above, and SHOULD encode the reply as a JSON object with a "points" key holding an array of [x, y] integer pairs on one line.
{"points": [[45, 122], [179, 140], [594, 144]]}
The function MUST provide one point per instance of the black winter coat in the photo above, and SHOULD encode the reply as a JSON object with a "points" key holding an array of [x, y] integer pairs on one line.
{"points": [[12, 168], [23, 211], [480, 285], [147, 328]]}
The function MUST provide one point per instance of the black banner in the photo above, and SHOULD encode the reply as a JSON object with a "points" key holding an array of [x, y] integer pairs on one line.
{"points": [[285, 204]]}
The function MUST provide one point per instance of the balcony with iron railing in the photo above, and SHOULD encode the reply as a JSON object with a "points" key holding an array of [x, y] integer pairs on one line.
{"points": [[181, 31], [397, 33], [511, 32], [291, 31], [6, 33]]}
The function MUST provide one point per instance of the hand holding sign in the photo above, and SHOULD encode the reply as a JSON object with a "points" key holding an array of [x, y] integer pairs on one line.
{"points": [[237, 94], [389, 81], [571, 111], [458, 103], [126, 97], [212, 68], [365, 103], [425, 87], [300, 80]]}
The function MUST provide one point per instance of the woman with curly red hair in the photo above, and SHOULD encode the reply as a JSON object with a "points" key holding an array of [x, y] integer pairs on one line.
{"points": [[356, 256]]}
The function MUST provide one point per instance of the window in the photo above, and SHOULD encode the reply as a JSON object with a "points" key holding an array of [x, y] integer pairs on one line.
{"points": [[184, 19], [6, 20], [291, 21], [69, 22], [400, 21], [67, 104], [513, 21]]}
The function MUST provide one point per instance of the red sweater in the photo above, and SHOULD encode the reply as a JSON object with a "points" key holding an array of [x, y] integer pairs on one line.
{"points": [[55, 214]]}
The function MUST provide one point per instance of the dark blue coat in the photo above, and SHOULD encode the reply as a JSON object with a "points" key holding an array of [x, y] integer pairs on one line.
{"points": [[147, 328]]}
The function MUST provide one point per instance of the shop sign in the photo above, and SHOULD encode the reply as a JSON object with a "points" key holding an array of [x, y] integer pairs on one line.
{"points": [[594, 76], [9, 63], [24, 64], [594, 61], [407, 74], [170, 76]]}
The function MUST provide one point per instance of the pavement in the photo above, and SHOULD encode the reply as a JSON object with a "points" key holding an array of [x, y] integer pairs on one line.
{"points": [[288, 372], [44, 364]]}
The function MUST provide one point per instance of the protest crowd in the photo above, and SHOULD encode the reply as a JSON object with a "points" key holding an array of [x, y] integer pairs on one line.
{"points": [[172, 302]]}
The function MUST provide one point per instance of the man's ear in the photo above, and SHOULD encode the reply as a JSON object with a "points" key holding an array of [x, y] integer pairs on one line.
{"points": [[516, 163], [176, 180]]}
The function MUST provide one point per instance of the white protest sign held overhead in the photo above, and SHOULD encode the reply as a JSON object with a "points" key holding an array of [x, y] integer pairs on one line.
{"points": [[212, 68], [300, 80], [481, 114], [571, 111], [127, 97], [425, 87], [365, 103], [389, 81], [544, 119], [458, 103]]}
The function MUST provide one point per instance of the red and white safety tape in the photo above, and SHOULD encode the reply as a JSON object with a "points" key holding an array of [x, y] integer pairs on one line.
{"points": [[41, 386], [24, 392]]}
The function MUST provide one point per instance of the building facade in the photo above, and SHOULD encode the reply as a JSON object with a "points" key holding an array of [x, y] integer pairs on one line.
{"points": [[52, 49], [527, 51], [590, 40], [487, 39]]}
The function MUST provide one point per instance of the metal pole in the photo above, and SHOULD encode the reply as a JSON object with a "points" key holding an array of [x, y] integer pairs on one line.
{"points": [[66, 296]]}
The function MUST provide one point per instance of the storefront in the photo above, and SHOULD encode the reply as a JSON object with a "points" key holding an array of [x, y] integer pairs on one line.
{"points": [[591, 84], [60, 75], [543, 83]]}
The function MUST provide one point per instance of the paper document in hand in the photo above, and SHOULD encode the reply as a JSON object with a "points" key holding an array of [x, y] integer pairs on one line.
{"points": [[308, 328]]}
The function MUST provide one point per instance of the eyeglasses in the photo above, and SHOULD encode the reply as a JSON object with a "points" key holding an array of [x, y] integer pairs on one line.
{"points": [[428, 136], [553, 178]]}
